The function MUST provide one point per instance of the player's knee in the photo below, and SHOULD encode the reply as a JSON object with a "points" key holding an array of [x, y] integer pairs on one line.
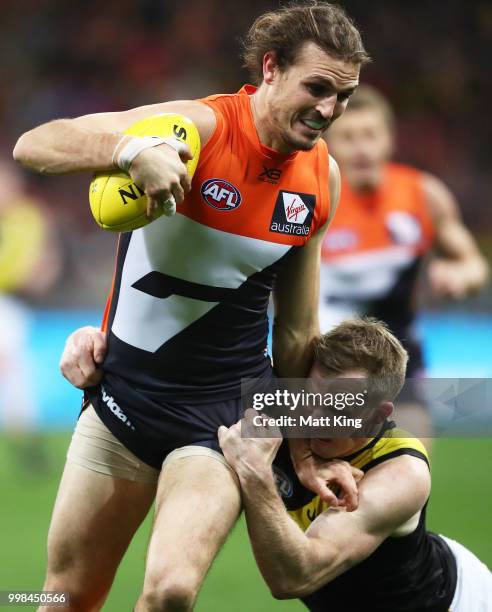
{"points": [[169, 594]]}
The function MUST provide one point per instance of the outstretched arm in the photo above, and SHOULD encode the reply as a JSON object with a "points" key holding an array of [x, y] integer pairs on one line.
{"points": [[87, 143], [94, 143]]}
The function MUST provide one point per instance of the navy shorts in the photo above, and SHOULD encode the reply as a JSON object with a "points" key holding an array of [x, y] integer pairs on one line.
{"points": [[153, 431]]}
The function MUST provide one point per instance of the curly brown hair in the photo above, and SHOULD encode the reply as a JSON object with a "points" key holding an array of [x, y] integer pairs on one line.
{"points": [[285, 30]]}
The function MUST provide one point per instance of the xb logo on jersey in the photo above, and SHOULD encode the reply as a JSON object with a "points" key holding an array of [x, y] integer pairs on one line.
{"points": [[293, 213], [220, 194], [270, 175]]}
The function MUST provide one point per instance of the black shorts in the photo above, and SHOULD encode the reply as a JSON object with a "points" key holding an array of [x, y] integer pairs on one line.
{"points": [[152, 433]]}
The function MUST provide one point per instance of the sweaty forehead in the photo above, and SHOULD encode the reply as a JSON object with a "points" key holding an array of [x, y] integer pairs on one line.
{"points": [[315, 63]]}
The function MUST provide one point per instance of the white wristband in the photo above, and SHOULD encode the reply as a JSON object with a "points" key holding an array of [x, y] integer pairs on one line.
{"points": [[137, 144]]}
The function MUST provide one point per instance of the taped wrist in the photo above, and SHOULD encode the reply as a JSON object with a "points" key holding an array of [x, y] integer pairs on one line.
{"points": [[123, 156]]}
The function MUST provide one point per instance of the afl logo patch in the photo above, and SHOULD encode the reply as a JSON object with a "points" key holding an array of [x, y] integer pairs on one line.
{"points": [[220, 194]]}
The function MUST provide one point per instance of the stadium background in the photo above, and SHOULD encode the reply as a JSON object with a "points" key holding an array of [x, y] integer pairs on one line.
{"points": [[67, 59]]}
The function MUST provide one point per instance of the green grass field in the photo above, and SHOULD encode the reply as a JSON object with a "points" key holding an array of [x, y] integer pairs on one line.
{"points": [[460, 507]]}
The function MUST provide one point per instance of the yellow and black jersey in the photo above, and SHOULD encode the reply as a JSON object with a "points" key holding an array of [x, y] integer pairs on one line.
{"points": [[412, 573]]}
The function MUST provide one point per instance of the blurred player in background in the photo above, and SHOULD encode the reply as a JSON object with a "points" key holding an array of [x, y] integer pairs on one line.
{"points": [[30, 264], [391, 217], [379, 558], [187, 319]]}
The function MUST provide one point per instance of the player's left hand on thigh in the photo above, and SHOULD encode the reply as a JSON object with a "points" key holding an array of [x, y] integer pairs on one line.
{"points": [[249, 446]]}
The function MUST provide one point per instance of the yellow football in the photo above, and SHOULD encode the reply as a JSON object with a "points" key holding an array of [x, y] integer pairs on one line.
{"points": [[117, 203]]}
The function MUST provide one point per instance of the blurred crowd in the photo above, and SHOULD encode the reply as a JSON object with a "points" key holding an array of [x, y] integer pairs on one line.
{"points": [[63, 59]]}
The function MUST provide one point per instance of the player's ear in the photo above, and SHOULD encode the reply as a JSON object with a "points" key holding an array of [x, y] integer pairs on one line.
{"points": [[385, 411], [270, 67]]}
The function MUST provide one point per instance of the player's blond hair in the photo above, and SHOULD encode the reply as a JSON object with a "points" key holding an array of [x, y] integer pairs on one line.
{"points": [[285, 30], [364, 344], [366, 96]]}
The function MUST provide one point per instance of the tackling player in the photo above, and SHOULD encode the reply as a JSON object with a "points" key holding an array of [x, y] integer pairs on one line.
{"points": [[187, 317], [379, 558]]}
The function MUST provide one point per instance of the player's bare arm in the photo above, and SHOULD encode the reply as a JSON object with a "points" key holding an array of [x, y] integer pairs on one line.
{"points": [[296, 297], [296, 563], [296, 324], [87, 143], [458, 267], [93, 143]]}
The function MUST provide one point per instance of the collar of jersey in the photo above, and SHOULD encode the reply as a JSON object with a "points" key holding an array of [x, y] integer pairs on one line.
{"points": [[252, 133], [387, 425]]}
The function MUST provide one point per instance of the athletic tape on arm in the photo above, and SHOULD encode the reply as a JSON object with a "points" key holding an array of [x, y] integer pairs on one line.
{"points": [[137, 144]]}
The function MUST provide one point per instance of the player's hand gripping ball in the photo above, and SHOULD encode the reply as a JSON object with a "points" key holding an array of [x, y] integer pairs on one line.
{"points": [[117, 203]]}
